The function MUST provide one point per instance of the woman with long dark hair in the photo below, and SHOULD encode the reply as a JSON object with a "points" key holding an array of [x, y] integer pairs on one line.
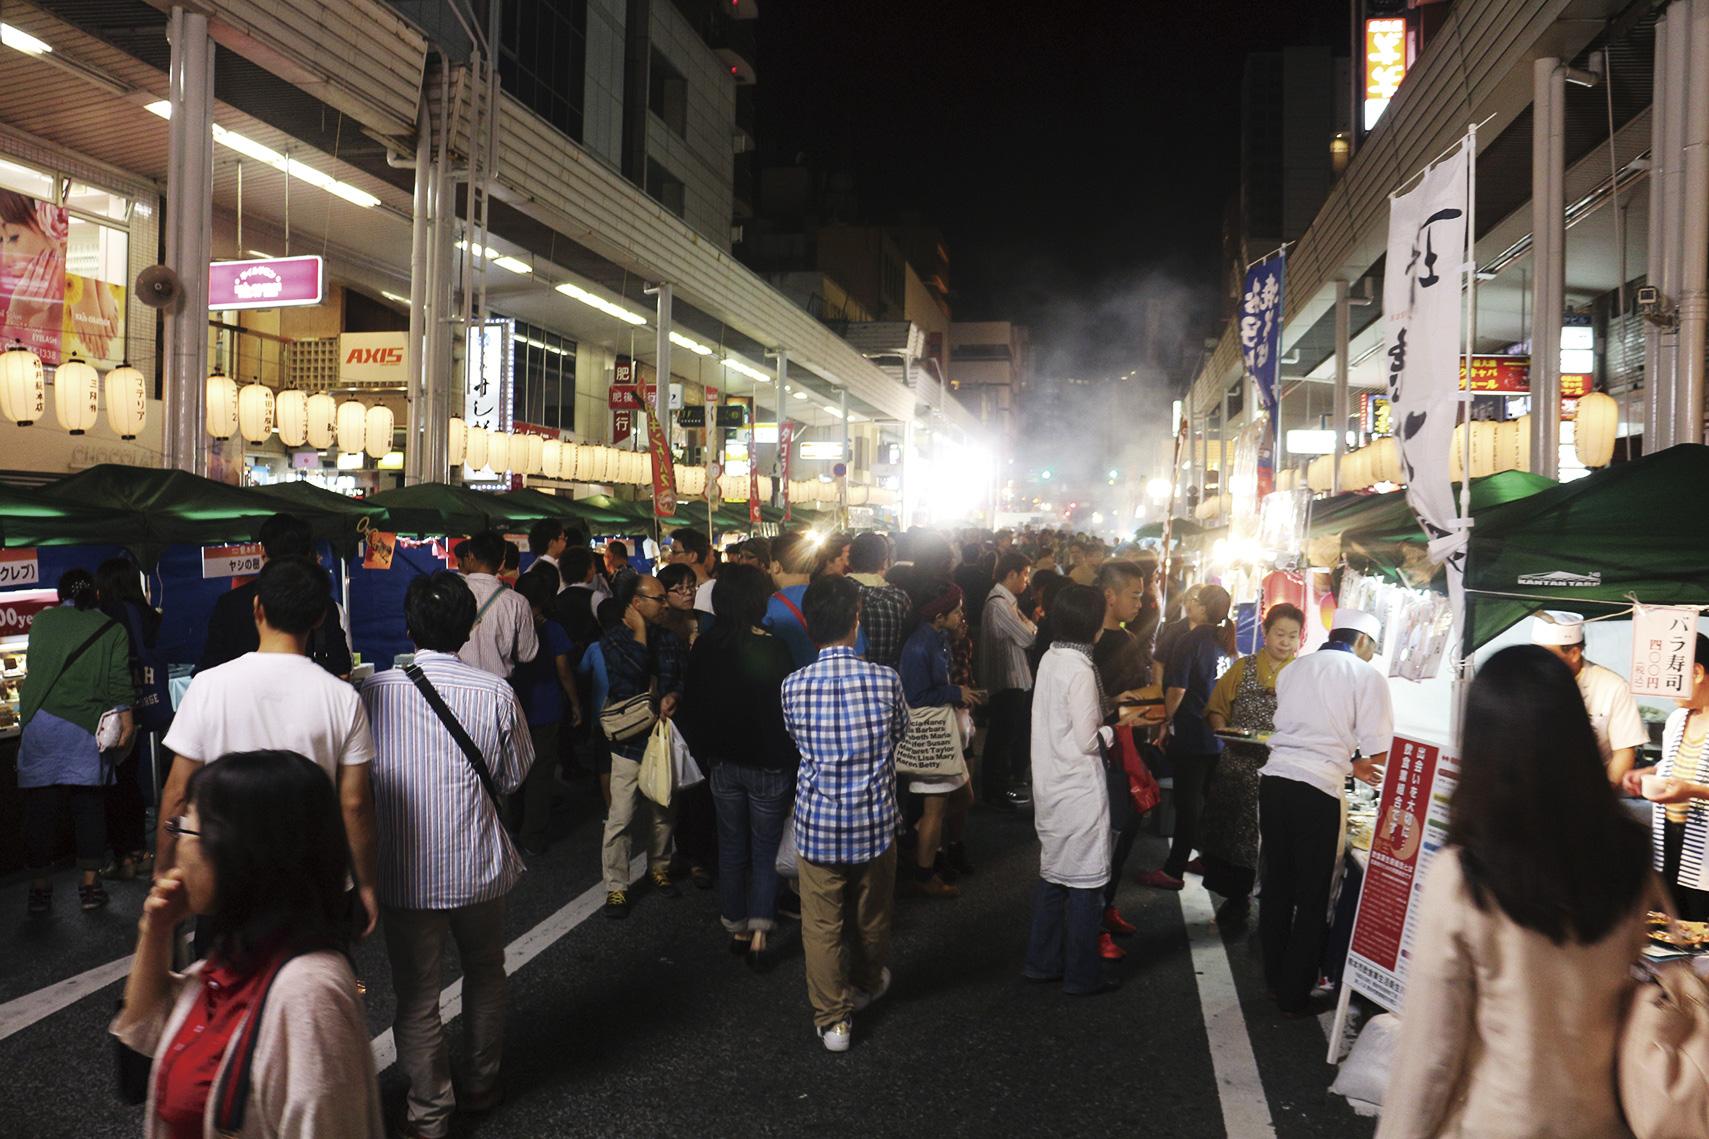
{"points": [[1531, 917], [732, 720], [262, 857]]}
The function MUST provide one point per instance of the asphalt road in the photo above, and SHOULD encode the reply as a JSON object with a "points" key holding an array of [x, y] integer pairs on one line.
{"points": [[648, 1026]]}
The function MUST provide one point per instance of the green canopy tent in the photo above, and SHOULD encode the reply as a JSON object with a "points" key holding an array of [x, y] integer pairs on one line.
{"points": [[1388, 540], [31, 518], [1586, 545], [1179, 530], [306, 500], [444, 509]]}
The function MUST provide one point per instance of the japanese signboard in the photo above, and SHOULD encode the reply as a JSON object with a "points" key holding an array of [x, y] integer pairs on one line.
{"points": [[1664, 647], [380, 548], [693, 417], [1422, 311], [18, 611], [785, 444], [664, 470], [1261, 327], [622, 425], [62, 290], [19, 567], [1511, 375], [242, 560], [372, 357], [822, 450], [630, 397], [270, 282], [487, 378], [754, 494], [1374, 415], [732, 415], [1411, 827], [1385, 64]]}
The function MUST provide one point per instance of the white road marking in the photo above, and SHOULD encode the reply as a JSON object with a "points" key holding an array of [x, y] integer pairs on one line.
{"points": [[1245, 1108], [517, 954], [21, 1012]]}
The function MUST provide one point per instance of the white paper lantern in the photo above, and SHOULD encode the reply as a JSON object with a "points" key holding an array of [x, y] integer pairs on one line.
{"points": [[76, 395], [255, 407], [571, 460], [551, 458], [377, 436], [475, 449], [1595, 426], [322, 420], [352, 426], [456, 438], [533, 458], [291, 416], [221, 419], [127, 401], [599, 469], [1385, 458], [499, 456], [23, 389]]}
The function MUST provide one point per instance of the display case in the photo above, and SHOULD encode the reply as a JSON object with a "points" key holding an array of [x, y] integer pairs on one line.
{"points": [[18, 608]]}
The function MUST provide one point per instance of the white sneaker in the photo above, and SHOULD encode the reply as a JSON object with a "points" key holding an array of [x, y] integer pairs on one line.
{"points": [[836, 1037], [862, 998]]}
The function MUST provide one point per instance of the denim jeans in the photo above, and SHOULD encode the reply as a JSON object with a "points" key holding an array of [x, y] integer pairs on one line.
{"points": [[752, 805], [1064, 938]]}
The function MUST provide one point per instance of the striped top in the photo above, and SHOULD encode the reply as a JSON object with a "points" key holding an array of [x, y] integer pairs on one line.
{"points": [[1681, 761], [442, 845]]}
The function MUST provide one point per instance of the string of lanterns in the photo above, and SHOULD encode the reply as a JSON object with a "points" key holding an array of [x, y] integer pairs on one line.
{"points": [[77, 390]]}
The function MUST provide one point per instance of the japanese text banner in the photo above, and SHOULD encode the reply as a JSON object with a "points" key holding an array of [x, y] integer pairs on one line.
{"points": [[1261, 327], [664, 470]]}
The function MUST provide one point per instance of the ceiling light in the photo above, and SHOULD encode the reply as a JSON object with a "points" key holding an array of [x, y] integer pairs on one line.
{"points": [[394, 297], [20, 40], [258, 253], [502, 260], [593, 300], [694, 346], [248, 147], [731, 364], [799, 394]]}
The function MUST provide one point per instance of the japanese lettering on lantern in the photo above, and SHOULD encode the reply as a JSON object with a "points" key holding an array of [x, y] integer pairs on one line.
{"points": [[1664, 649]]}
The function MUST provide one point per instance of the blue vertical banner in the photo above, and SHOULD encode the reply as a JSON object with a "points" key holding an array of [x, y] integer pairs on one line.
{"points": [[1261, 326]]}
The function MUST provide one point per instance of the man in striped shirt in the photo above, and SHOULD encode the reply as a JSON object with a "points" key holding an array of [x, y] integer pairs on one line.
{"points": [[846, 715], [502, 635], [446, 862]]}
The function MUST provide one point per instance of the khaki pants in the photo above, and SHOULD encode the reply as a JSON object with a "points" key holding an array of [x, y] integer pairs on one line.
{"points": [[626, 802], [835, 967], [415, 943]]}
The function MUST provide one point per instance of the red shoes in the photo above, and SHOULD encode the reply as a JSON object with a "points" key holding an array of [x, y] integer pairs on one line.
{"points": [[1108, 949], [1116, 924], [1158, 880], [1196, 866]]}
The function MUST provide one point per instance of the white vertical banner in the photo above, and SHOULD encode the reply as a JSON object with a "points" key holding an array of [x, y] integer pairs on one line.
{"points": [[1664, 649], [1423, 311]]}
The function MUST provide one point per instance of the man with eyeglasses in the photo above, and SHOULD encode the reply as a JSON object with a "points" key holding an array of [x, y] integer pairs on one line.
{"points": [[640, 654]]}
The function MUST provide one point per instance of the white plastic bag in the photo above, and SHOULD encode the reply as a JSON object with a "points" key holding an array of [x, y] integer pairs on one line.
{"points": [[785, 864], [657, 777], [1364, 1075], [683, 766]]}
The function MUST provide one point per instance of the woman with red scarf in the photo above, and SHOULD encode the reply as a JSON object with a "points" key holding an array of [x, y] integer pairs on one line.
{"points": [[268, 1035]]}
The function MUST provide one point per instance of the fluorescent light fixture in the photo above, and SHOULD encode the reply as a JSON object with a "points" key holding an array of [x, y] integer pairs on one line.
{"points": [[594, 300], [502, 260], [394, 297], [731, 364], [1310, 442], [798, 394], [248, 147], [260, 254], [19, 40], [694, 346], [541, 344]]}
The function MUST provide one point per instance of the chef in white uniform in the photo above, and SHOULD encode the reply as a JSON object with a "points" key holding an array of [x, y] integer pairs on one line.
{"points": [[1333, 719], [1620, 731]]}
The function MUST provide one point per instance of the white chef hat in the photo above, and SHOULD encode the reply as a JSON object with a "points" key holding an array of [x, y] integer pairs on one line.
{"points": [[1557, 627], [1359, 621]]}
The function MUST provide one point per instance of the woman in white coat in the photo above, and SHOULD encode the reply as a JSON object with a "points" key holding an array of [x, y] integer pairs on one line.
{"points": [[1071, 806]]}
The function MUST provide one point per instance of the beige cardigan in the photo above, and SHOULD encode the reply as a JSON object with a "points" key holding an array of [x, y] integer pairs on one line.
{"points": [[1505, 1034], [313, 1073]]}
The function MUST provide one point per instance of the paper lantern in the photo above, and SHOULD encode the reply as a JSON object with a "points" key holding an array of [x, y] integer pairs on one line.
{"points": [[1386, 462], [552, 459], [532, 460], [23, 390], [475, 449], [377, 431], [640, 468], [255, 408], [1319, 473], [499, 457], [291, 416], [221, 418], [76, 395], [1594, 429], [456, 437], [1508, 447], [127, 401], [1522, 428], [322, 420], [352, 426]]}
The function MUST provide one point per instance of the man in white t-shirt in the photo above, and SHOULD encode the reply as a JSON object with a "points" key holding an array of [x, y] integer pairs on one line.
{"points": [[277, 699], [1620, 730]]}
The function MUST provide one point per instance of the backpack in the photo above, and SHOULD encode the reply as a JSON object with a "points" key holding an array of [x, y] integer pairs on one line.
{"points": [[149, 677]]}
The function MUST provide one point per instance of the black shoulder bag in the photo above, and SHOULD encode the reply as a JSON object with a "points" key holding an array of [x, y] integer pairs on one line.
{"points": [[446, 717]]}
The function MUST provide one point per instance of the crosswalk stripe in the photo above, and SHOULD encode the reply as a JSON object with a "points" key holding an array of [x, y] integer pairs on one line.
{"points": [[1245, 1107], [21, 1012]]}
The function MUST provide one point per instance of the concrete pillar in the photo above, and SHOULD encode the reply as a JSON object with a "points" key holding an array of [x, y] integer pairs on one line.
{"points": [[415, 353], [1548, 282], [662, 396], [1694, 236], [1655, 366], [189, 237], [1343, 334], [1678, 45]]}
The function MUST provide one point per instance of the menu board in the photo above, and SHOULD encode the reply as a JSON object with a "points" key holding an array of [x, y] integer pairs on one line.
{"points": [[1412, 825]]}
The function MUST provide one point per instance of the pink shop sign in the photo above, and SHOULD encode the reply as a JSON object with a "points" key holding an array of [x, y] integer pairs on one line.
{"points": [[272, 282]]}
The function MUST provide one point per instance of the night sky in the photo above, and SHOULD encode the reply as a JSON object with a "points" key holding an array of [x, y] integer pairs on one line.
{"points": [[1078, 156]]}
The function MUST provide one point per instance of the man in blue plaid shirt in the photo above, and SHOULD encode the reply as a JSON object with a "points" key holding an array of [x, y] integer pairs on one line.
{"points": [[847, 716]]}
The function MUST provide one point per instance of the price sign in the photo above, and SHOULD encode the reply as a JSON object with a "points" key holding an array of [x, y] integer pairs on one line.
{"points": [[18, 611], [242, 560], [19, 567]]}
